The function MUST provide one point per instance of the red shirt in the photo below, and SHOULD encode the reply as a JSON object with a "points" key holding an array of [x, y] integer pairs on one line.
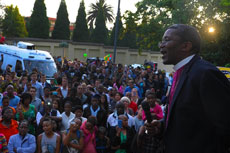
{"points": [[133, 106], [9, 131]]}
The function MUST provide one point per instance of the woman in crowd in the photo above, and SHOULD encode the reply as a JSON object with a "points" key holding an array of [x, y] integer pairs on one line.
{"points": [[122, 136], [116, 99], [27, 111], [22, 142], [104, 103], [8, 126], [89, 129], [126, 102], [48, 141], [73, 138]]}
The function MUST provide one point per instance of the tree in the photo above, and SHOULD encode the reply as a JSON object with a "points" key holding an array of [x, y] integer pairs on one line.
{"points": [[129, 36], [61, 27], [100, 33], [95, 8], [120, 32], [1, 13], [155, 16], [81, 31], [39, 23], [13, 24]]}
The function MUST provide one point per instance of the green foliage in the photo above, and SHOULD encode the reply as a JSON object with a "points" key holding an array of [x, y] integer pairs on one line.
{"points": [[27, 21], [1, 13], [100, 33], [61, 28], [81, 31], [13, 24], [95, 8], [39, 23], [155, 16], [129, 36], [227, 65], [119, 35]]}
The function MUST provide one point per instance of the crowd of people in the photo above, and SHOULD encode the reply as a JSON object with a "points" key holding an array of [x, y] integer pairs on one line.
{"points": [[99, 107], [86, 107]]}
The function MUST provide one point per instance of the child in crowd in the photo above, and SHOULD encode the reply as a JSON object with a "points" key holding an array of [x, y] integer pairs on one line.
{"points": [[48, 141], [5, 103], [78, 111], [56, 105], [67, 115], [102, 141], [138, 121], [155, 109], [89, 129], [73, 138]]}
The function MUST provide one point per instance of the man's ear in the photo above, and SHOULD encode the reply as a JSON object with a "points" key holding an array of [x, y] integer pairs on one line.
{"points": [[187, 47]]}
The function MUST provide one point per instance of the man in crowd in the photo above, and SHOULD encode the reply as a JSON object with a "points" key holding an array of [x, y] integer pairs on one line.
{"points": [[130, 87], [36, 84], [14, 100], [35, 101]]}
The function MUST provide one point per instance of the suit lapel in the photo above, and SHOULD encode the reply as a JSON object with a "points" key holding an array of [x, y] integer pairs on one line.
{"points": [[178, 89], [181, 82]]}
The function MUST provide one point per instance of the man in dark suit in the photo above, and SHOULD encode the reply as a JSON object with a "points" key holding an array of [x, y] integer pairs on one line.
{"points": [[198, 118]]}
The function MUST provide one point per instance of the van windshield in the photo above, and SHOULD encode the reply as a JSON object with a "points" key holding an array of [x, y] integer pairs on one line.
{"points": [[45, 67]]}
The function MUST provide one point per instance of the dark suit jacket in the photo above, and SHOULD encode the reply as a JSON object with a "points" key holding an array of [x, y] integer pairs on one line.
{"points": [[199, 118]]}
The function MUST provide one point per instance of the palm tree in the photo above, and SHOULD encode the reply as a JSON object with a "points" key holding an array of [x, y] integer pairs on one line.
{"points": [[107, 9]]}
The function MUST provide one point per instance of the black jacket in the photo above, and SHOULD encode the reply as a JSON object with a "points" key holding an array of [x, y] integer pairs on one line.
{"points": [[116, 141], [101, 116]]}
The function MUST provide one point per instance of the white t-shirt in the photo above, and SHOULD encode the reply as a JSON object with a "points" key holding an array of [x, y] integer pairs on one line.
{"points": [[39, 116], [113, 120], [66, 119]]}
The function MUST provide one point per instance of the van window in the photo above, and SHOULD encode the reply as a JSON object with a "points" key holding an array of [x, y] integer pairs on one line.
{"points": [[45, 67]]}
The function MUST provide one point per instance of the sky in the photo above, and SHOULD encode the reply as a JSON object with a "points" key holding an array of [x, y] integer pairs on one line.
{"points": [[26, 6]]}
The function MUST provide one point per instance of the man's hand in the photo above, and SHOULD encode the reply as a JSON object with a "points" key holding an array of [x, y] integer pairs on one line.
{"points": [[15, 150], [71, 129], [118, 131], [142, 130], [153, 128]]}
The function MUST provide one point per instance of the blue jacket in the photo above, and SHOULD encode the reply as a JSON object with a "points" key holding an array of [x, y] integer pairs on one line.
{"points": [[26, 145], [128, 89]]}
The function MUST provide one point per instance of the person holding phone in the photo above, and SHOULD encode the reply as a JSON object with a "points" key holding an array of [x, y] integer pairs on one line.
{"points": [[122, 136], [73, 138], [47, 112]]}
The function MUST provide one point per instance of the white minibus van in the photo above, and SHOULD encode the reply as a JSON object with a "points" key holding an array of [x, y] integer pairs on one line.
{"points": [[24, 56]]}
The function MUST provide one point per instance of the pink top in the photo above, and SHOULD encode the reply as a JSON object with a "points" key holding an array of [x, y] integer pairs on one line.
{"points": [[157, 110], [89, 139], [121, 90]]}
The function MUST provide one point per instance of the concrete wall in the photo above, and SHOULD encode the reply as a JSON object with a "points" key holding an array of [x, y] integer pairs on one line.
{"points": [[77, 49]]}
